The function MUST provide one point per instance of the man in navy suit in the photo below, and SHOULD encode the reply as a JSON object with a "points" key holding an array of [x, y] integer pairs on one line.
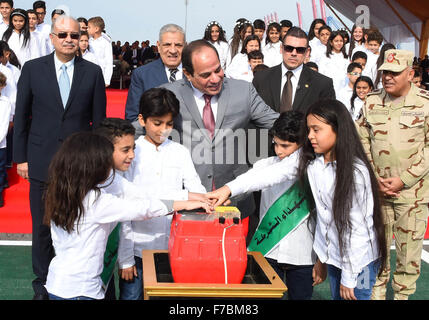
{"points": [[58, 95], [166, 69]]}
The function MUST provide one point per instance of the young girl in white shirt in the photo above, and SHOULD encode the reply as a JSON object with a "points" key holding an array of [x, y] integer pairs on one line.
{"points": [[361, 88], [357, 41], [216, 36], [243, 28], [19, 39], [82, 214], [349, 235], [272, 51], [84, 50], [239, 67], [334, 63]]}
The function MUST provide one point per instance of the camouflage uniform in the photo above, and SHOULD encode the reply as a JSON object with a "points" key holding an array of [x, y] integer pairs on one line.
{"points": [[395, 136]]}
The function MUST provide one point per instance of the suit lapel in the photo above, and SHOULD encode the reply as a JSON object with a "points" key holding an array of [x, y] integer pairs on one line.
{"points": [[222, 104], [275, 86], [189, 100], [51, 77], [78, 74], [304, 86]]}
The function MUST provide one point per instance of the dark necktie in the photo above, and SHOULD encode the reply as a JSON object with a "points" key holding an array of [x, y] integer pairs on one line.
{"points": [[286, 103], [209, 122], [208, 117], [173, 74]]}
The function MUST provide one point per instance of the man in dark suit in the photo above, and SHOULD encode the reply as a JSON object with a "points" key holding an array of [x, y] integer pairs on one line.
{"points": [[215, 113], [58, 95], [167, 68], [305, 85]]}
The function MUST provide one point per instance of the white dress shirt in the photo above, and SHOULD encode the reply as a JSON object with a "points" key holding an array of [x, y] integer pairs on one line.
{"points": [[294, 79], [5, 118], [199, 100], [45, 30], [89, 56], [334, 67], [24, 53], [239, 67], [75, 270], [69, 65], [344, 95], [272, 54], [287, 250], [179, 73], [102, 49], [164, 172], [10, 91], [222, 49], [362, 248]]}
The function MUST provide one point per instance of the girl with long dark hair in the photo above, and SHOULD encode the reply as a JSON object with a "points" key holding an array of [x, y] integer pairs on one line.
{"points": [[357, 41], [240, 64], [19, 39], [243, 28], [349, 237], [82, 213], [361, 88], [215, 34], [334, 62], [272, 49]]}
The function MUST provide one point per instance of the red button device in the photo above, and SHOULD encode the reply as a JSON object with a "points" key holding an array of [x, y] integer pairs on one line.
{"points": [[208, 248]]}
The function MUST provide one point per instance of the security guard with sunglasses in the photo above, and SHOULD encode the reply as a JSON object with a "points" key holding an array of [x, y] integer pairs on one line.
{"points": [[394, 130]]}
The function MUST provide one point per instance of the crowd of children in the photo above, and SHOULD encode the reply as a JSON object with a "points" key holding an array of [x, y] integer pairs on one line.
{"points": [[99, 179]]}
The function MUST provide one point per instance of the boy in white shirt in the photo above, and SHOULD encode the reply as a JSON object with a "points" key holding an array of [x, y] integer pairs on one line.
{"points": [[162, 169], [5, 119], [6, 7], [354, 71], [101, 47]]}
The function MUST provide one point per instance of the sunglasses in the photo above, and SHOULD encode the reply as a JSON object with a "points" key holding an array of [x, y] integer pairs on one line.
{"points": [[63, 35], [299, 50]]}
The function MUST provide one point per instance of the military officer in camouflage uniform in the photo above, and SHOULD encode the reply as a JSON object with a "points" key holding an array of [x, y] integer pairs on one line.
{"points": [[394, 130]]}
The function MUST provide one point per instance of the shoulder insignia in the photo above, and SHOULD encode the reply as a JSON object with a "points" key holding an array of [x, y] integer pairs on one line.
{"points": [[423, 93], [374, 92]]}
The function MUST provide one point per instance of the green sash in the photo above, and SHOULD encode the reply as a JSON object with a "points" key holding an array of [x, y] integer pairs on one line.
{"points": [[285, 214], [110, 255]]}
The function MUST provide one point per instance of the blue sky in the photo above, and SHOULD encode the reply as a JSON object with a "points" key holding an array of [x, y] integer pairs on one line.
{"points": [[129, 20]]}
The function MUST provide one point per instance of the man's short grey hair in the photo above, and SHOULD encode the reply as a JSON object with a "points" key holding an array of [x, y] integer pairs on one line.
{"points": [[171, 27], [62, 18]]}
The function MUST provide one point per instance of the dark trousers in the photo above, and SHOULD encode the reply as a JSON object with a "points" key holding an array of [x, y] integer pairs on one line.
{"points": [[3, 172], [299, 279], [42, 249]]}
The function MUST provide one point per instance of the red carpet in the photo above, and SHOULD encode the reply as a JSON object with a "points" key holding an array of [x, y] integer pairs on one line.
{"points": [[15, 215]]}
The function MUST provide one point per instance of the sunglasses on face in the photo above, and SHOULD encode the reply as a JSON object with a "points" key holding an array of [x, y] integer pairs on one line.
{"points": [[63, 35], [299, 50]]}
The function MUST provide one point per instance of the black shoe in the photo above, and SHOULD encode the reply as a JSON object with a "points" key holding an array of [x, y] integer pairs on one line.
{"points": [[40, 296]]}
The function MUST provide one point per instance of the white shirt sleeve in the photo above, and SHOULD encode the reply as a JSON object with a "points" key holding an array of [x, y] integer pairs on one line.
{"points": [[126, 246], [257, 179]]}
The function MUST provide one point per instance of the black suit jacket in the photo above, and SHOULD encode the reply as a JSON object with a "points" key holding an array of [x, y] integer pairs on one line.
{"points": [[41, 121], [312, 86]]}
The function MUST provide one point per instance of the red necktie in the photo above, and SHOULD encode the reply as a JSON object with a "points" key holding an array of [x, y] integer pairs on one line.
{"points": [[209, 122], [208, 117]]}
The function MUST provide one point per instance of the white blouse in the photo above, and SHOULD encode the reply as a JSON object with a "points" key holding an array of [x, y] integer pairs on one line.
{"points": [[287, 250], [222, 49], [362, 248], [272, 54], [334, 67], [75, 270], [24, 53]]}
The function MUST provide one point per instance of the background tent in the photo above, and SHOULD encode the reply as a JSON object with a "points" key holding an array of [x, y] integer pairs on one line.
{"points": [[398, 20]]}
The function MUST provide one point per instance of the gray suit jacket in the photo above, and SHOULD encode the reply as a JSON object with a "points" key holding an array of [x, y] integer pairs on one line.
{"points": [[224, 157]]}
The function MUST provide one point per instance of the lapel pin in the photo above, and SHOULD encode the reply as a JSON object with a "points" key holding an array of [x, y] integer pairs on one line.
{"points": [[306, 85]]}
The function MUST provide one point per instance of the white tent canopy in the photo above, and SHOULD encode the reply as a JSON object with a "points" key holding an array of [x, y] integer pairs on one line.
{"points": [[382, 16]]}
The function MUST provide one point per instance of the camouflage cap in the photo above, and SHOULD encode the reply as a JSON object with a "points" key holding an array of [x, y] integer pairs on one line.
{"points": [[397, 60]]}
